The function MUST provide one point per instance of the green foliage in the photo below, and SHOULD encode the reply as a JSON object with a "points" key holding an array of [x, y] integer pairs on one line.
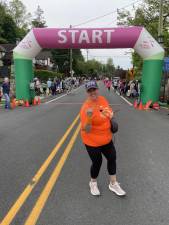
{"points": [[81, 67], [14, 21], [94, 67], [7, 26], [19, 13], [147, 15], [39, 21], [3, 40], [9, 29], [44, 75], [109, 67], [61, 58], [119, 72]]}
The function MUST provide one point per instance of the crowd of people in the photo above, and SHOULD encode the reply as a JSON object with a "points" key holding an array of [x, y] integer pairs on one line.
{"points": [[41, 88], [130, 89], [55, 86], [123, 87]]}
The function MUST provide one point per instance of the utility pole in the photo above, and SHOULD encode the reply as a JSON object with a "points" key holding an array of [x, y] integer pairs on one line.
{"points": [[71, 59], [160, 26], [87, 54]]}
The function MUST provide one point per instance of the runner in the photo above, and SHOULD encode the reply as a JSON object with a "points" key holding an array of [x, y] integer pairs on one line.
{"points": [[109, 84], [96, 135], [70, 85]]}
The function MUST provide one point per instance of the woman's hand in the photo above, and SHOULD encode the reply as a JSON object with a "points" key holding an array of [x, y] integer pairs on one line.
{"points": [[111, 115], [107, 112], [87, 128], [89, 112]]}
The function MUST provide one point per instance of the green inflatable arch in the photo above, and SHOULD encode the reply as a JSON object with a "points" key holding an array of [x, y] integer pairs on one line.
{"points": [[137, 38]]}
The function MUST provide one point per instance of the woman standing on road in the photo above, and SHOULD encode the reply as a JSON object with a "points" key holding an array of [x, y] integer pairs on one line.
{"points": [[97, 136]]}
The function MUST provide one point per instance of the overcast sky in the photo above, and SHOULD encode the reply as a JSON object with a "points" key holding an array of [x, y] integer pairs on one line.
{"points": [[63, 13]]}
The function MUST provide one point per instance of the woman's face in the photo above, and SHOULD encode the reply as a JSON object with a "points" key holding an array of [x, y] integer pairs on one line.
{"points": [[93, 94]]}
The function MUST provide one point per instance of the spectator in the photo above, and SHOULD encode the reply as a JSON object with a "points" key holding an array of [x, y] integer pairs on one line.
{"points": [[6, 91], [49, 84], [44, 88], [53, 88], [37, 87], [132, 89]]}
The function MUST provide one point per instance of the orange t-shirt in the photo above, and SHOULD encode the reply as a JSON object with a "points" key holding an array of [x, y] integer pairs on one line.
{"points": [[100, 133]]}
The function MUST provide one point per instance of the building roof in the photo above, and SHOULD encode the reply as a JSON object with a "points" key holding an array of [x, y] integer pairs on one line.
{"points": [[2, 49], [43, 55], [8, 48]]}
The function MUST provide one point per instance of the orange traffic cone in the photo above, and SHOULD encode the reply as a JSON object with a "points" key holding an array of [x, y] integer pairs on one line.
{"points": [[39, 101], [22, 102], [135, 104], [27, 103], [16, 102], [147, 106], [34, 101], [141, 107], [156, 106], [13, 104]]}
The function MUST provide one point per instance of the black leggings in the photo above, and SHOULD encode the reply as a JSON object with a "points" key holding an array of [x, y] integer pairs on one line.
{"points": [[95, 154]]}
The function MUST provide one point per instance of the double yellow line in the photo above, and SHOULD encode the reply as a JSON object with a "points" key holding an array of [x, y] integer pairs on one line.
{"points": [[34, 215]]}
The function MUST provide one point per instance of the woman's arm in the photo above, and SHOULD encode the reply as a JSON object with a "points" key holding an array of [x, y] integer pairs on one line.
{"points": [[106, 109], [86, 115]]}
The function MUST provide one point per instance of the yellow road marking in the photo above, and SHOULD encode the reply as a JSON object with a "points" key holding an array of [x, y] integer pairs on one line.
{"points": [[22, 198], [38, 207]]}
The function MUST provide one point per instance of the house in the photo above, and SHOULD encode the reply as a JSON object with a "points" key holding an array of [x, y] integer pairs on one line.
{"points": [[42, 61]]}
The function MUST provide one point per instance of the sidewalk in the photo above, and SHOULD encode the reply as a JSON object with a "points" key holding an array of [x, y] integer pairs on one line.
{"points": [[42, 98]]}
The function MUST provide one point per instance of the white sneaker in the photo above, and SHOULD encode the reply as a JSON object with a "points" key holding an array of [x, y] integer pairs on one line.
{"points": [[117, 189], [94, 188]]}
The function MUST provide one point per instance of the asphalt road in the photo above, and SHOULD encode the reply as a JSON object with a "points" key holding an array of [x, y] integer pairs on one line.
{"points": [[28, 136]]}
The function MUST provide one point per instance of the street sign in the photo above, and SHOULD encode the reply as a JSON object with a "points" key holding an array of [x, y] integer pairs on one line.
{"points": [[166, 64]]}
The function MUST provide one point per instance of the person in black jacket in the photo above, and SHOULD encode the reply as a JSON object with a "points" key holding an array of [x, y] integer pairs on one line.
{"points": [[6, 91]]}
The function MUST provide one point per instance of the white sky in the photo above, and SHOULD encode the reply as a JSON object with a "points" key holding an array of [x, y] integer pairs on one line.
{"points": [[62, 13]]}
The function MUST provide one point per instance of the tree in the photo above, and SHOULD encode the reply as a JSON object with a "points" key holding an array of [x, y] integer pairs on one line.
{"points": [[146, 15], [110, 66], [119, 72], [39, 21], [61, 58], [93, 67], [77, 56], [8, 29], [19, 14], [81, 67]]}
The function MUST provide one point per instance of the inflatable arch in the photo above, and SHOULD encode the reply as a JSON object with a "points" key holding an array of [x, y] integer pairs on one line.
{"points": [[137, 38]]}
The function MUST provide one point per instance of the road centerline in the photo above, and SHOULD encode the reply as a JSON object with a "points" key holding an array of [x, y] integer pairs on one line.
{"points": [[39, 205], [27, 191]]}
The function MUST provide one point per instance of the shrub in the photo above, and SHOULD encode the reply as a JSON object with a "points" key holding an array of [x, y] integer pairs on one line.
{"points": [[44, 75]]}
